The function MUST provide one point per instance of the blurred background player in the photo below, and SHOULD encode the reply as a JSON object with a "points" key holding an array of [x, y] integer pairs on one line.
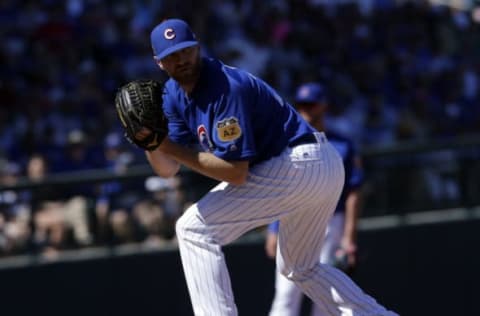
{"points": [[340, 246]]}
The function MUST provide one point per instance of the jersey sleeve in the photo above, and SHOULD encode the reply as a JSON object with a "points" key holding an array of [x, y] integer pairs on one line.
{"points": [[178, 131], [233, 132], [356, 178], [273, 227]]}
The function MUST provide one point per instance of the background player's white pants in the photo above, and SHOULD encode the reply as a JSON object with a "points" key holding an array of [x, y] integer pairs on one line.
{"points": [[288, 296], [300, 187]]}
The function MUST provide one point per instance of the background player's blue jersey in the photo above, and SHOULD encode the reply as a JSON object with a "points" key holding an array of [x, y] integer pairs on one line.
{"points": [[232, 114], [353, 173]]}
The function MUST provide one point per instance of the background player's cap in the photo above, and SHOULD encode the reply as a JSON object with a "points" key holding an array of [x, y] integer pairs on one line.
{"points": [[170, 36], [310, 93]]}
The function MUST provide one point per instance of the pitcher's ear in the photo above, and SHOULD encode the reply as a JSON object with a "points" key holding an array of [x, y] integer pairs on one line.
{"points": [[158, 62]]}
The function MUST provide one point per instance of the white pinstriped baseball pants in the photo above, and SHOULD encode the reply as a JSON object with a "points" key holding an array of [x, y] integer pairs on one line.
{"points": [[288, 296], [300, 187]]}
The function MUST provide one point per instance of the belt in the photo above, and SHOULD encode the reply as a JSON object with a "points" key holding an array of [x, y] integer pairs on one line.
{"points": [[304, 139]]}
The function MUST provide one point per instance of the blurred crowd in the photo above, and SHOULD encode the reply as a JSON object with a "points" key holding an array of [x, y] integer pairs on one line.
{"points": [[394, 73], [48, 219]]}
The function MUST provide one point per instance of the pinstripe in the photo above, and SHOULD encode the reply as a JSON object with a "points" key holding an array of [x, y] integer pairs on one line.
{"points": [[323, 215], [231, 191], [334, 196], [323, 297], [316, 231], [287, 188], [322, 232], [188, 274], [351, 288], [317, 281], [258, 204], [198, 263], [292, 219], [312, 256], [202, 265], [283, 304], [290, 224], [209, 215], [205, 263], [186, 257], [193, 286], [346, 291], [195, 258], [312, 230], [300, 196], [326, 211], [285, 295], [325, 272], [320, 294]]}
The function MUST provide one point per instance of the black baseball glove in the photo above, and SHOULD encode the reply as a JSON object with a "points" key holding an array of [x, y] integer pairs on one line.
{"points": [[139, 107]]}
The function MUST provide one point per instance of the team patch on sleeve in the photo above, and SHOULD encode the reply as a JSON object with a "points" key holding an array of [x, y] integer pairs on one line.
{"points": [[203, 138], [228, 129]]}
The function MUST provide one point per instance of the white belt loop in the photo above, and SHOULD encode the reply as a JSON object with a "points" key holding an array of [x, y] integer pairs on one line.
{"points": [[320, 137]]}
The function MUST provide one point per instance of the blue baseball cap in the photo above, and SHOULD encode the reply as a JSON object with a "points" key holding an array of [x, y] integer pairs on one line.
{"points": [[310, 93], [170, 36]]}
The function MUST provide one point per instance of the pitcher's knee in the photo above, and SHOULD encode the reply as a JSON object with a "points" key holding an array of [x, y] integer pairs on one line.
{"points": [[184, 225], [296, 274], [190, 227]]}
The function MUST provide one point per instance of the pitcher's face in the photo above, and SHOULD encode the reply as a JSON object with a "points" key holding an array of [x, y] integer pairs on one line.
{"points": [[183, 65]]}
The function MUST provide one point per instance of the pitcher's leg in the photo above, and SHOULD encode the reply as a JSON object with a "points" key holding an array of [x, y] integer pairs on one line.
{"points": [[220, 217], [299, 252], [344, 297], [332, 292], [204, 266], [332, 241], [329, 288], [288, 297], [300, 241]]}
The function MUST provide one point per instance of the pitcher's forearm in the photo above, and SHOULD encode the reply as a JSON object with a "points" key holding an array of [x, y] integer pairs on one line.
{"points": [[163, 165], [352, 210], [234, 172]]}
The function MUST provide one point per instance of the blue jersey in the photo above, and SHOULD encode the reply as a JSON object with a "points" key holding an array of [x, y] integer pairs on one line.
{"points": [[232, 114], [353, 172]]}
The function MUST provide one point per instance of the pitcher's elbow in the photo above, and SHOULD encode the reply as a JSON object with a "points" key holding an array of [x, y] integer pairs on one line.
{"points": [[238, 179], [167, 172]]}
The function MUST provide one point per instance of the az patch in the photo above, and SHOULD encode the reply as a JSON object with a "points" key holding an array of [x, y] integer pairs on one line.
{"points": [[228, 129]]}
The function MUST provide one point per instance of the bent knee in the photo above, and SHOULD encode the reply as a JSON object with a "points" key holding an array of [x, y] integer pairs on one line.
{"points": [[182, 225], [189, 223], [296, 274]]}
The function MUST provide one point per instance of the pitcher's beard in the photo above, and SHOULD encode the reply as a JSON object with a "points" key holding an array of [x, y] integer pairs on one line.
{"points": [[189, 75]]}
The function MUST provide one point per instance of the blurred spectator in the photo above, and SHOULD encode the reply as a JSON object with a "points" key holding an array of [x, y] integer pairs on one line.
{"points": [[51, 230], [76, 199], [52, 85], [115, 200], [156, 215], [397, 71], [14, 216], [156, 228]]}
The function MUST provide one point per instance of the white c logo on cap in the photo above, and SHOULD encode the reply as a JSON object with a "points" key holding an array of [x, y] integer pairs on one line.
{"points": [[169, 34]]}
